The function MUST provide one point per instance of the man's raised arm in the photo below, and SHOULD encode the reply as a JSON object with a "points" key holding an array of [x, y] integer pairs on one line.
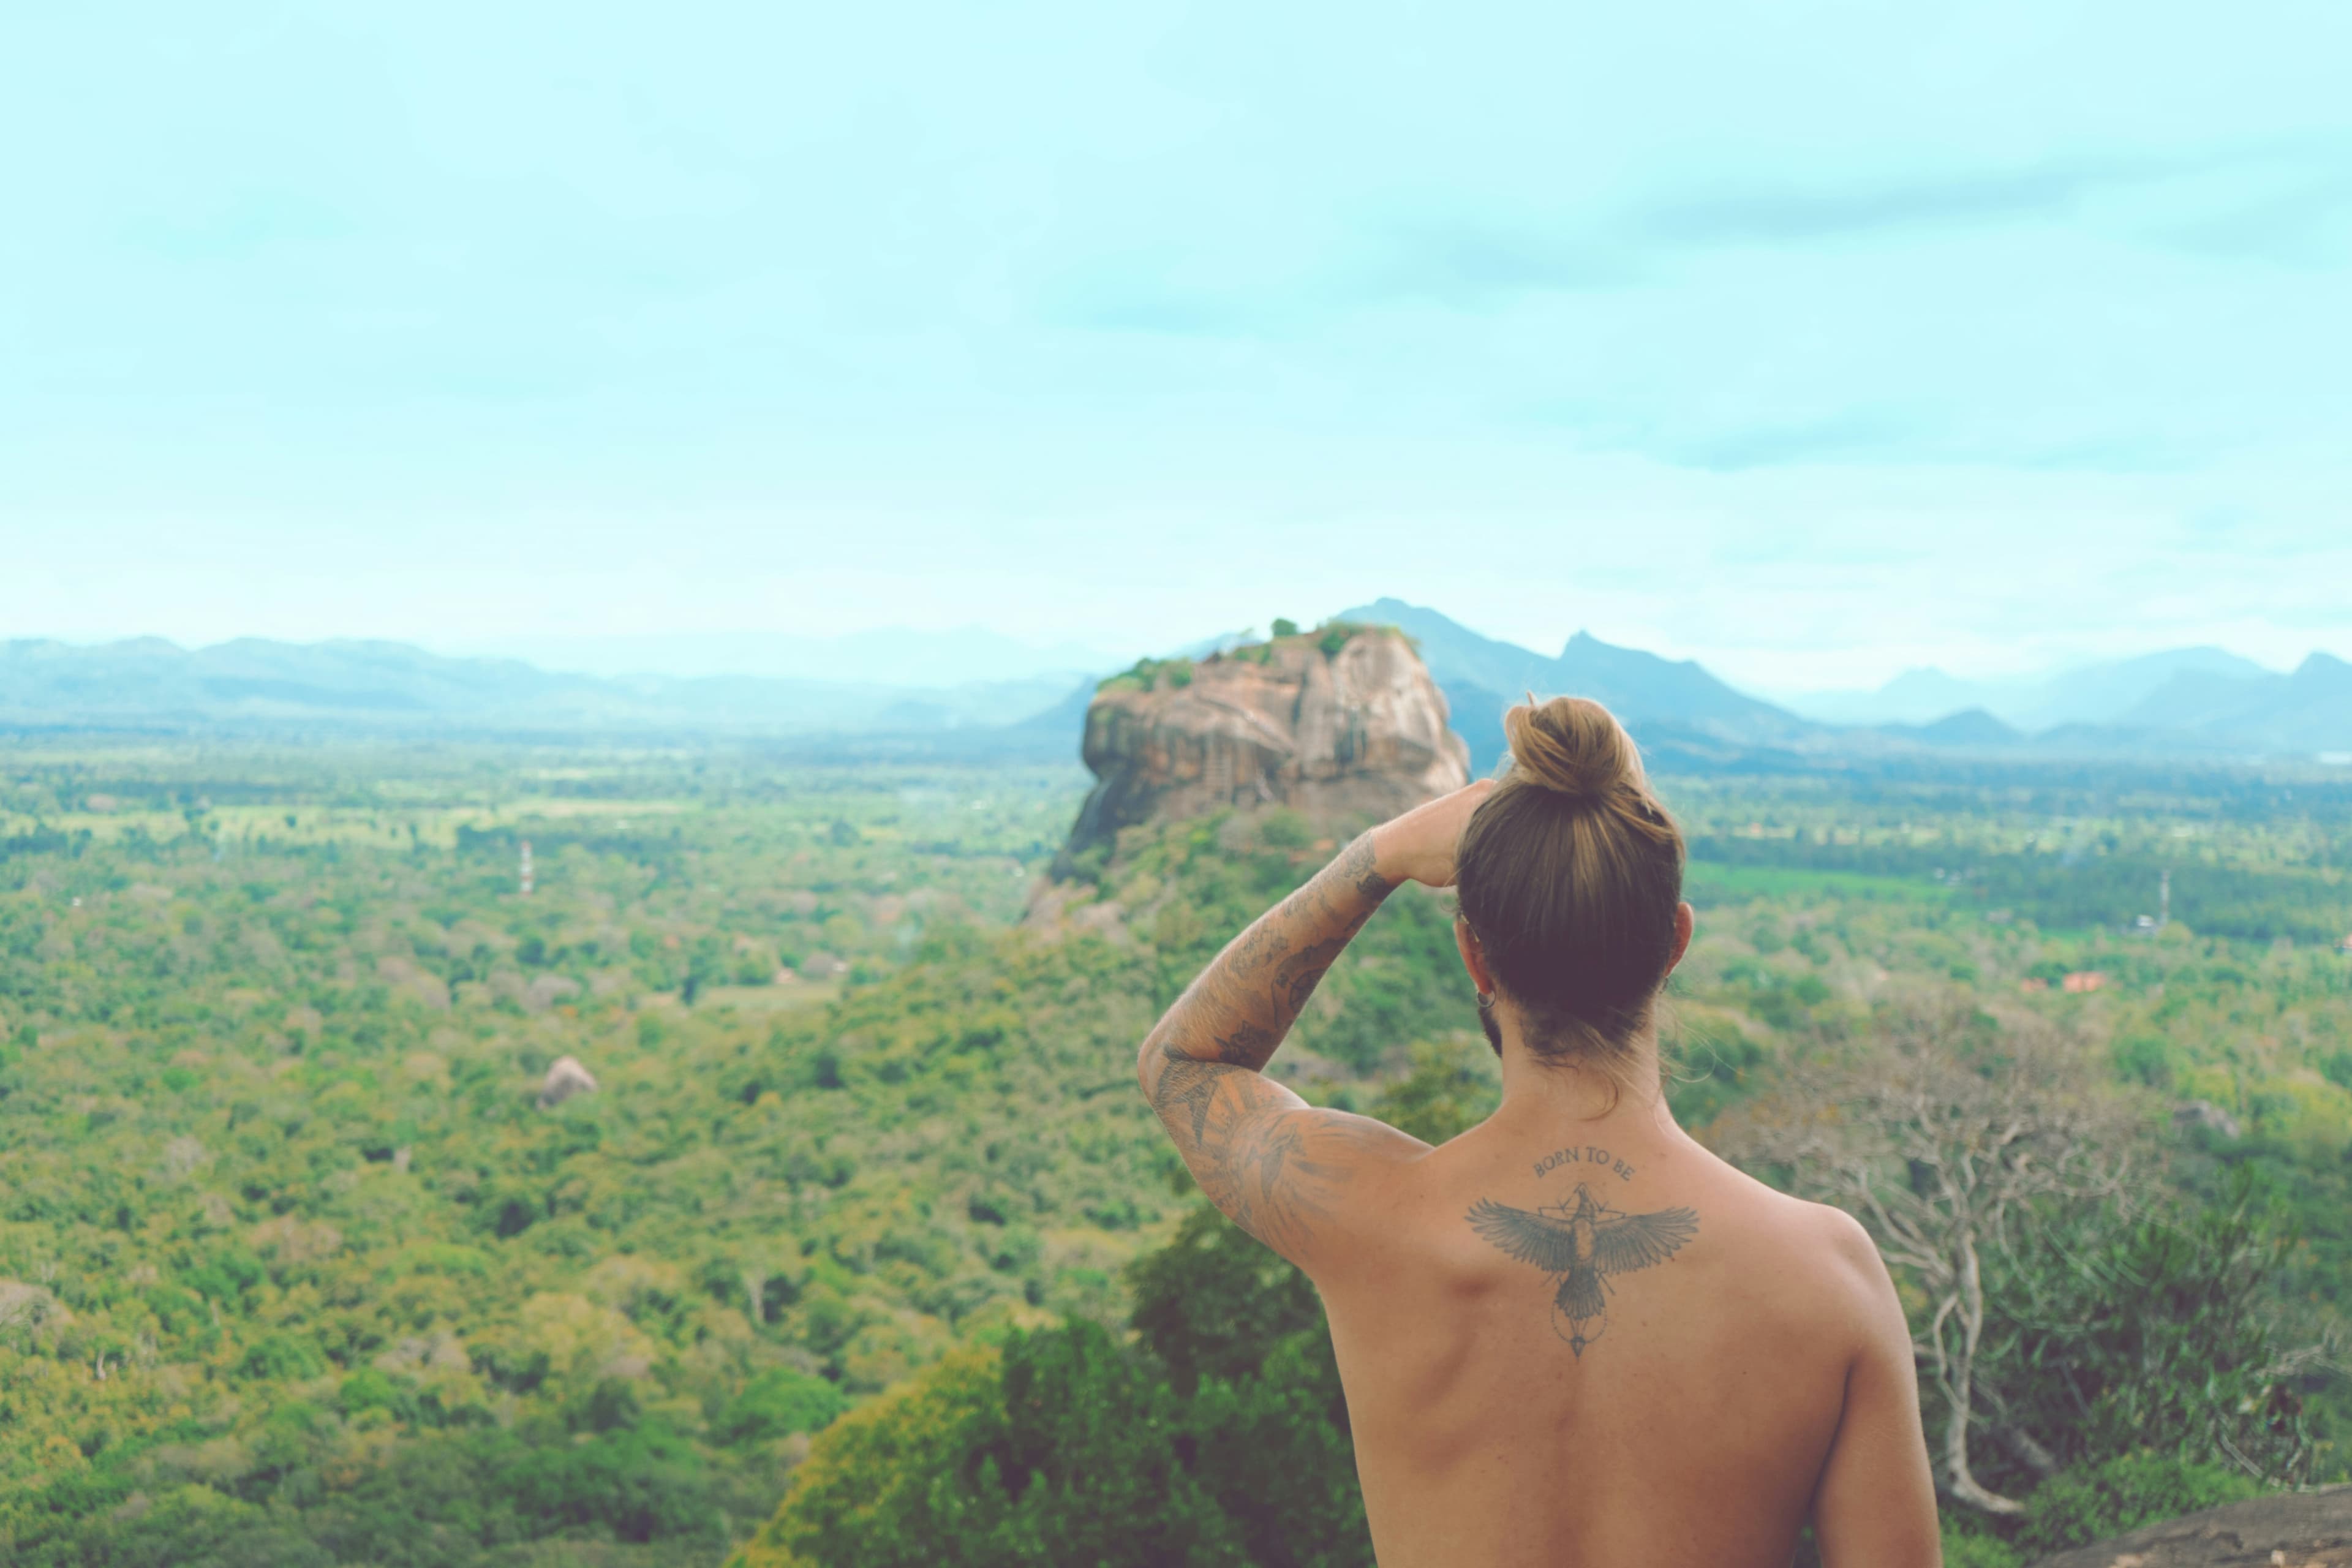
{"points": [[1282, 1169]]}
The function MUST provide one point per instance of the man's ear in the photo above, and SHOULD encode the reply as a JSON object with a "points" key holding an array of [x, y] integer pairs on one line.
{"points": [[1472, 959], [1684, 921]]}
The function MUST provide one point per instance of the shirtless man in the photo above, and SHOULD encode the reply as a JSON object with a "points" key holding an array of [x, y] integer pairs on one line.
{"points": [[1570, 1335]]}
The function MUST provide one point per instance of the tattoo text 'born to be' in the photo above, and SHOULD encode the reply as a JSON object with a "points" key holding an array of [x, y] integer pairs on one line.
{"points": [[1584, 1154]]}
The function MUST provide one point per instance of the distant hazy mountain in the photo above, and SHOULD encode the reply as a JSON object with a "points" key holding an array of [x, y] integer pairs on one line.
{"points": [[385, 686], [2102, 693], [1971, 726], [2205, 704], [1657, 698], [886, 657], [2182, 702], [2309, 711]]}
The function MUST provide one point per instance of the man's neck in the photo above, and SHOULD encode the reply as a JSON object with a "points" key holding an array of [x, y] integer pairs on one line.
{"points": [[1545, 1095]]}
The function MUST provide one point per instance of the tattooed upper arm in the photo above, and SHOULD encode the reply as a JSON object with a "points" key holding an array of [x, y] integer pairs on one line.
{"points": [[1295, 1177], [1286, 1173]]}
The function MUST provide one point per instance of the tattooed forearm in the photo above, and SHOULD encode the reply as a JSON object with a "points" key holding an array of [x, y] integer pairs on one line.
{"points": [[1296, 978], [1357, 864], [1258, 1152], [1245, 1001], [1260, 945]]}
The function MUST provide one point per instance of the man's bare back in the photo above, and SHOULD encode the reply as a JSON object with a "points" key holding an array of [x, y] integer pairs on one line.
{"points": [[1594, 1343], [1571, 1335]]}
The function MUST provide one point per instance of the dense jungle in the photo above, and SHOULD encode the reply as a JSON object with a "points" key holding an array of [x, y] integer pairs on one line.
{"points": [[864, 1251]]}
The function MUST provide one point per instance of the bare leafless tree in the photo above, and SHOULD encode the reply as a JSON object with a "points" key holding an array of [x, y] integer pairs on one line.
{"points": [[1936, 1136]]}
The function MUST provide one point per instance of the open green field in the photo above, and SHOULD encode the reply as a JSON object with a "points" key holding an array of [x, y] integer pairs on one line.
{"points": [[296, 1268]]}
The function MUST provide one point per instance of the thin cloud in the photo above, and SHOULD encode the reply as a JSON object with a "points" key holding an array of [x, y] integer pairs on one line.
{"points": [[1790, 214], [2308, 224], [1474, 261], [1863, 435], [1844, 436], [1471, 264]]}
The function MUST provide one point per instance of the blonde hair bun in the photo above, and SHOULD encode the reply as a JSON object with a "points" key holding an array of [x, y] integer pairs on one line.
{"points": [[1572, 746]]}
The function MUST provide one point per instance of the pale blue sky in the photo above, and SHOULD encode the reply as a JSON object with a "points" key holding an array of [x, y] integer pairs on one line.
{"points": [[1811, 340]]}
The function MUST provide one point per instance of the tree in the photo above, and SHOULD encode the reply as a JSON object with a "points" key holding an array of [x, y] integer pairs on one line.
{"points": [[1060, 1449], [1215, 1301], [2129, 1327], [1450, 1090], [1941, 1141], [869, 1495]]}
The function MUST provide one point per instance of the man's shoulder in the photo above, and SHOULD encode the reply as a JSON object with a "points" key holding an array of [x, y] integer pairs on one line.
{"points": [[1844, 1237], [1836, 1262], [1822, 1252], [1799, 1219]]}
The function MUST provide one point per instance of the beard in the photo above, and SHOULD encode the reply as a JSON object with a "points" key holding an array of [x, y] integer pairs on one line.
{"points": [[1494, 1031]]}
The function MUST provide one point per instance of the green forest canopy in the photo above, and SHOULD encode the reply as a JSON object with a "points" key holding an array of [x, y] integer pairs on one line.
{"points": [[294, 1267]]}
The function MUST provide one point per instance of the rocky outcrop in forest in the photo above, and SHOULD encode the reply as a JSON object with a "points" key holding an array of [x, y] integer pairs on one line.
{"points": [[2298, 1529], [565, 1080], [1343, 721]]}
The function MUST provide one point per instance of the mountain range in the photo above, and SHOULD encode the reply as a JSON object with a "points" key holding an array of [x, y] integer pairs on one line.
{"points": [[893, 656], [389, 687], [1670, 704], [2190, 699], [2307, 711], [2196, 701], [2186, 702], [2105, 693]]}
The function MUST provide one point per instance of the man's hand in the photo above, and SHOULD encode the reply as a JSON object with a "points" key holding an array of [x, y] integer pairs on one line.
{"points": [[1419, 846]]}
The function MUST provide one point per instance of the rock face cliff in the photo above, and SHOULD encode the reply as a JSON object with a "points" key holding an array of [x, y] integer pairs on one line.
{"points": [[1342, 722]]}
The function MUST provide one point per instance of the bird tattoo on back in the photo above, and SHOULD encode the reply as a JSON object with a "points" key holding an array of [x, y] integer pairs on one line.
{"points": [[1584, 1241]]}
